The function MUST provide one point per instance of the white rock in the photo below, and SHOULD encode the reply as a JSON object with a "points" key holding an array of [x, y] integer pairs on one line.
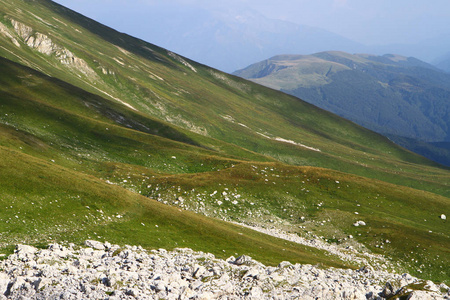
{"points": [[188, 294], [359, 223], [199, 272], [277, 277], [160, 286], [422, 295], [206, 296], [4, 281], [256, 293], [217, 271], [25, 249], [228, 288], [431, 286], [183, 274], [443, 217], [94, 244], [253, 272], [17, 283]]}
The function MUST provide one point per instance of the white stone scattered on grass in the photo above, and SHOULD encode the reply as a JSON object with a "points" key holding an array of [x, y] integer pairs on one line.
{"points": [[359, 223]]}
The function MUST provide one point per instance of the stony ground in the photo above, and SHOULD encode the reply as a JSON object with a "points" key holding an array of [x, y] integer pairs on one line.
{"points": [[105, 271]]}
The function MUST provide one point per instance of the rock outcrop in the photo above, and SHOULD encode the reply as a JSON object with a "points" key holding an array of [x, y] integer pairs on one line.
{"points": [[105, 271], [5, 32], [45, 45]]}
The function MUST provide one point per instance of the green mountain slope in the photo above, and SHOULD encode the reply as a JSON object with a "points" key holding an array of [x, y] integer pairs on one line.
{"points": [[95, 124], [156, 82], [393, 95], [70, 171], [55, 163]]}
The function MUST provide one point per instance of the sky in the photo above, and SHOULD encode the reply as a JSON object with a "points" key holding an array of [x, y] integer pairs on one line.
{"points": [[370, 22]]}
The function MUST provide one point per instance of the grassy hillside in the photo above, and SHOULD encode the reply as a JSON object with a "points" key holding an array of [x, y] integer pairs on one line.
{"points": [[53, 187], [71, 170], [120, 122], [42, 203], [167, 87], [389, 94]]}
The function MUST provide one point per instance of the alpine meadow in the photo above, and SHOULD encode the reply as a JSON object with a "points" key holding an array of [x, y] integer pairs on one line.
{"points": [[107, 137]]}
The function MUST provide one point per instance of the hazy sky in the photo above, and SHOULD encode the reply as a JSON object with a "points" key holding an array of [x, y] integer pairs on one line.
{"points": [[370, 21], [365, 21]]}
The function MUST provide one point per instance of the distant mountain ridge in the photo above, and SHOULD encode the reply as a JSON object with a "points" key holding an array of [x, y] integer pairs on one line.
{"points": [[230, 40], [391, 94], [443, 62]]}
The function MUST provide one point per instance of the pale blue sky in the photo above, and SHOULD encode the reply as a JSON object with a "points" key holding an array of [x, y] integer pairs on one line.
{"points": [[372, 22]]}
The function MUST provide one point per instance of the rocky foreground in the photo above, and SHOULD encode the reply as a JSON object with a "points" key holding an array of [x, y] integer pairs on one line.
{"points": [[105, 271]]}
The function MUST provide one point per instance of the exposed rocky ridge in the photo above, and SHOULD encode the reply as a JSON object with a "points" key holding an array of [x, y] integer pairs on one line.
{"points": [[45, 45], [105, 271], [5, 32]]}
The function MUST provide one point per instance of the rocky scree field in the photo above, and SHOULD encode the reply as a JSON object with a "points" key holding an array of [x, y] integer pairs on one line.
{"points": [[106, 271]]}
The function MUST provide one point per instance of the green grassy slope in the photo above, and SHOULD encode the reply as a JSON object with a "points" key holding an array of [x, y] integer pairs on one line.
{"points": [[53, 161], [178, 91], [191, 132], [324, 203], [92, 155], [42, 202]]}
